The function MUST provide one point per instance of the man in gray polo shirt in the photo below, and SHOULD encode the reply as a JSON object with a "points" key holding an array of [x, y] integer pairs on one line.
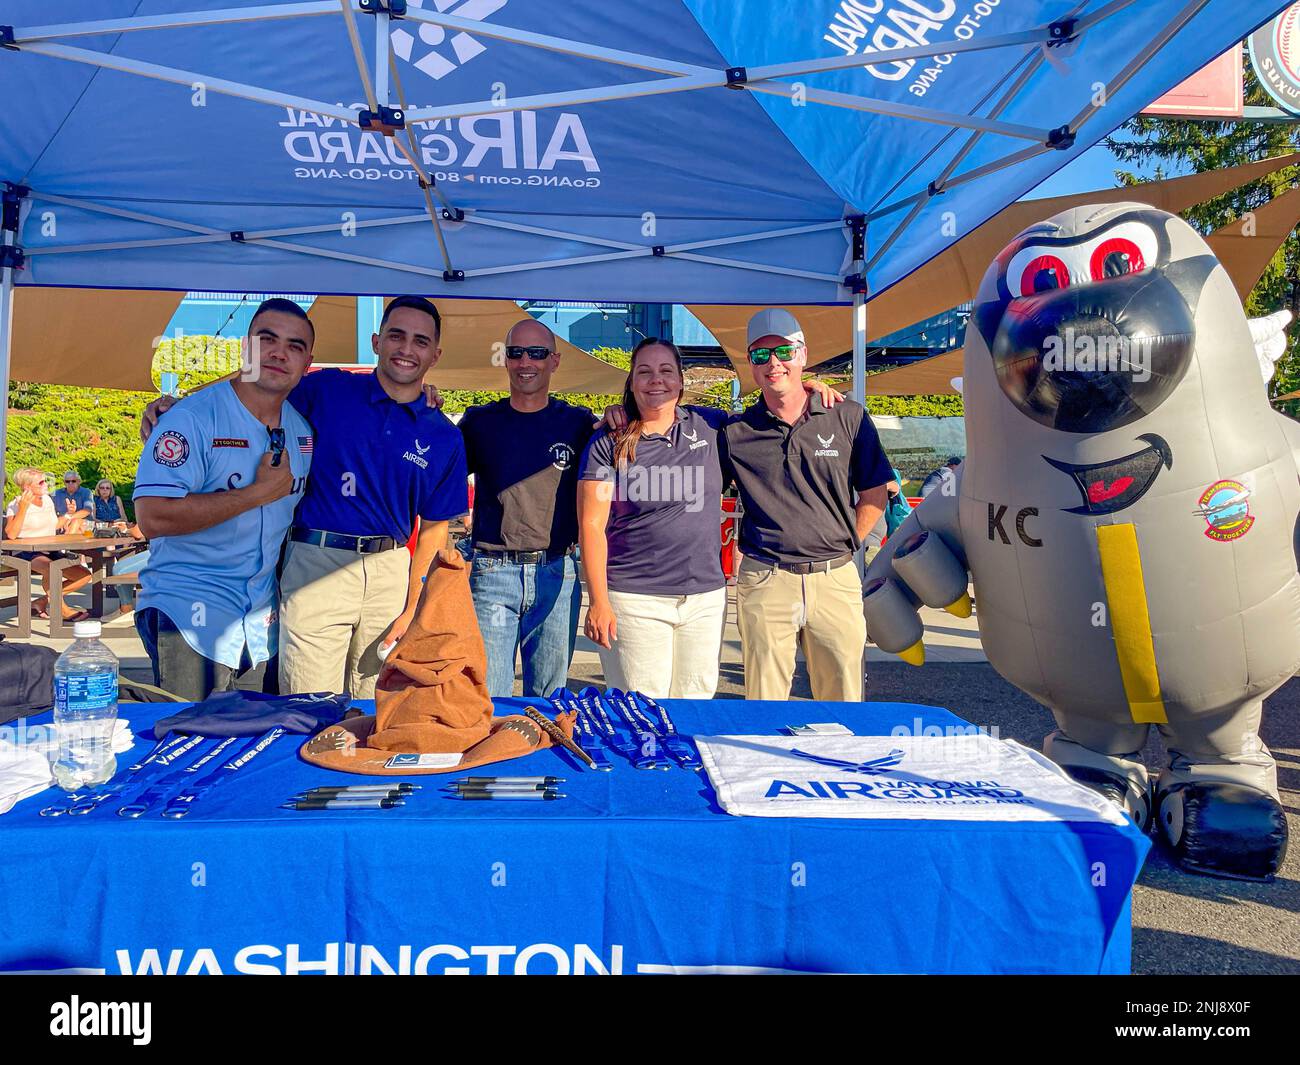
{"points": [[812, 480]]}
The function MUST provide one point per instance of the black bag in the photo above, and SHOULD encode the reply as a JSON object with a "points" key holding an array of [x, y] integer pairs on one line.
{"points": [[26, 679]]}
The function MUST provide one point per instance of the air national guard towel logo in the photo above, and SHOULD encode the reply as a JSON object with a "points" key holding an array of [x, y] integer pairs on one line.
{"points": [[963, 776]]}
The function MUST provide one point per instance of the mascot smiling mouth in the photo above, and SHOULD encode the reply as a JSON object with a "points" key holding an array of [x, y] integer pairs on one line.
{"points": [[1111, 486]]}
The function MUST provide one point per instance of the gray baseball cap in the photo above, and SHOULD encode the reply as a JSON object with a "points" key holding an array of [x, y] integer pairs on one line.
{"points": [[774, 322]]}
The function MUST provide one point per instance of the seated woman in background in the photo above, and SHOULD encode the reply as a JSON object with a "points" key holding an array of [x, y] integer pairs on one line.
{"points": [[108, 505], [32, 516]]}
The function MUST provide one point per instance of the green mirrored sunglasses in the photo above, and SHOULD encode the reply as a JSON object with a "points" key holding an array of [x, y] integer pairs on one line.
{"points": [[762, 356]]}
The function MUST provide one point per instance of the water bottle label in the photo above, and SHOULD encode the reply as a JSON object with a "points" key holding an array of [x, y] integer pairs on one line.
{"points": [[86, 692]]}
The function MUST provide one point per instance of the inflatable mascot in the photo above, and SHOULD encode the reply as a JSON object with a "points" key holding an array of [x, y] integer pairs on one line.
{"points": [[1128, 513]]}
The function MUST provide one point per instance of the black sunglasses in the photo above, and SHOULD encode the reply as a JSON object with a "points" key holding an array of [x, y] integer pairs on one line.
{"points": [[277, 443], [537, 353]]}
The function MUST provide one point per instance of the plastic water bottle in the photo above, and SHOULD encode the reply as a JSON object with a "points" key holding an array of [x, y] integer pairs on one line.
{"points": [[85, 710]]}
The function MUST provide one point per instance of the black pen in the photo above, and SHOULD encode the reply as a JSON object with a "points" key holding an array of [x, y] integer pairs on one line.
{"points": [[376, 803], [510, 796]]}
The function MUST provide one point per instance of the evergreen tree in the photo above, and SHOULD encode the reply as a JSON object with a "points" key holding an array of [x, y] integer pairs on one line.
{"points": [[1181, 146]]}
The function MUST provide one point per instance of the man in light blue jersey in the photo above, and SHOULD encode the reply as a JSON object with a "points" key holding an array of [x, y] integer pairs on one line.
{"points": [[215, 493]]}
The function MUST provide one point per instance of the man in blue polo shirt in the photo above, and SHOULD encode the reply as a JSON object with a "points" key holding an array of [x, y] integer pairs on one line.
{"points": [[215, 493], [383, 458]]}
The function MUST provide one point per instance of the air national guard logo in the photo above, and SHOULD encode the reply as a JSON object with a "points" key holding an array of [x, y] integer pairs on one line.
{"points": [[1225, 506], [171, 449]]}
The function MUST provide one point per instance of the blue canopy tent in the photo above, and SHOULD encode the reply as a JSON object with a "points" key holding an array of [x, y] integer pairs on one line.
{"points": [[710, 151]]}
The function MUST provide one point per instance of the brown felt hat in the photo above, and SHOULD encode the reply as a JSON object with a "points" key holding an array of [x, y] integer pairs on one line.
{"points": [[431, 697]]}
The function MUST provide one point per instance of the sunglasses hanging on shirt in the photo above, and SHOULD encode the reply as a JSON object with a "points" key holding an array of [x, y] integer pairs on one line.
{"points": [[277, 443]]}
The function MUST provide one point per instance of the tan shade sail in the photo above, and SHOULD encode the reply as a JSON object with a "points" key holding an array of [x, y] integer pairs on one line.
{"points": [[928, 377], [471, 331], [99, 338], [1246, 246], [954, 277]]}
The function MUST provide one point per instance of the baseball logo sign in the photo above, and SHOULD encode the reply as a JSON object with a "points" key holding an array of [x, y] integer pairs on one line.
{"points": [[1275, 55], [171, 449]]}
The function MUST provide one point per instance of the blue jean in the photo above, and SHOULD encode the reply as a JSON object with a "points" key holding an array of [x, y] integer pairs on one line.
{"points": [[529, 609]]}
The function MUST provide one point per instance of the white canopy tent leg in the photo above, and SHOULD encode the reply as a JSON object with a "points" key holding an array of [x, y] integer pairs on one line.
{"points": [[8, 240]]}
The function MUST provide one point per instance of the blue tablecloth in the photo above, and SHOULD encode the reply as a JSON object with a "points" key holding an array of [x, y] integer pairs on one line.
{"points": [[636, 871]]}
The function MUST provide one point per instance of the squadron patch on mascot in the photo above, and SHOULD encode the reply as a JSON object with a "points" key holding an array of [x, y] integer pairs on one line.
{"points": [[1225, 506]]}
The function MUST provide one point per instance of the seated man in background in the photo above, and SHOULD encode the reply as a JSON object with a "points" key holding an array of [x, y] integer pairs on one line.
{"points": [[73, 502], [215, 494]]}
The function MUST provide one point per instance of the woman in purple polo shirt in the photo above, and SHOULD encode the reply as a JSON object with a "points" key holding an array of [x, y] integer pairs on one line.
{"points": [[649, 515]]}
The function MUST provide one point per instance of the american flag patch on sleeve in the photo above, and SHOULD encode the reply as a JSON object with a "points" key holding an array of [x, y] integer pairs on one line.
{"points": [[304, 444]]}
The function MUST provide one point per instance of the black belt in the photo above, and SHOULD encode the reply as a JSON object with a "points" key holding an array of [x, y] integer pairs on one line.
{"points": [[805, 568], [521, 558], [362, 545]]}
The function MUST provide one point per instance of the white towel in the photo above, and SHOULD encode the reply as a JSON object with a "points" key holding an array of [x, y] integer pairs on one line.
{"points": [[45, 738], [23, 772], [939, 778]]}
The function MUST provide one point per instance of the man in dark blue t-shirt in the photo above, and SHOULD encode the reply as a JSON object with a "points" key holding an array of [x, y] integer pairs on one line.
{"points": [[523, 452]]}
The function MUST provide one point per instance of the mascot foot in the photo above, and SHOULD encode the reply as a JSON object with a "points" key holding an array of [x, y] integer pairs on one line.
{"points": [[1221, 829], [1124, 793]]}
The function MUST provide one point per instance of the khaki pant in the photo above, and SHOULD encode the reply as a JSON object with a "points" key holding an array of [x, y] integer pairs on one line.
{"points": [[335, 607], [822, 612]]}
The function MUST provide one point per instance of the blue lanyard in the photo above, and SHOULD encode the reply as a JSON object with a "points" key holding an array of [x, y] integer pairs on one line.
{"points": [[178, 806], [156, 792], [680, 749], [584, 729], [166, 751], [646, 752]]}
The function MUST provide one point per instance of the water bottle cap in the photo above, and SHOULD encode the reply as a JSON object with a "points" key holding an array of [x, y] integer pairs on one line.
{"points": [[86, 630]]}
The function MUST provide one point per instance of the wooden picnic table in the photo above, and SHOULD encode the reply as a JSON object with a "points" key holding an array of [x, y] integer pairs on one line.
{"points": [[102, 551]]}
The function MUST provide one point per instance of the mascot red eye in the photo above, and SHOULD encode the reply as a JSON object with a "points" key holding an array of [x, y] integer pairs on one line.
{"points": [[1115, 258], [1042, 274]]}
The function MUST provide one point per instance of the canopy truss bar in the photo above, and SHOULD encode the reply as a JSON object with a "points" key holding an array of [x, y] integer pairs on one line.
{"points": [[540, 101], [897, 110], [771, 234], [554, 44], [760, 268], [347, 257], [480, 219], [121, 212], [208, 235], [970, 175], [546, 264], [1038, 35], [381, 56], [26, 34], [1135, 64], [427, 184], [358, 53], [189, 77], [128, 245], [889, 242]]}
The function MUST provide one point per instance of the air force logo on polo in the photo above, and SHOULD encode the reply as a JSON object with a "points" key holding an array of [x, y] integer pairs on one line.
{"points": [[826, 451]]}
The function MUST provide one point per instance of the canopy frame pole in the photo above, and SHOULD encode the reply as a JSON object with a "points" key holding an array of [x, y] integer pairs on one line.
{"points": [[358, 53], [907, 111], [224, 87], [624, 250], [1166, 33], [11, 259], [136, 23]]}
